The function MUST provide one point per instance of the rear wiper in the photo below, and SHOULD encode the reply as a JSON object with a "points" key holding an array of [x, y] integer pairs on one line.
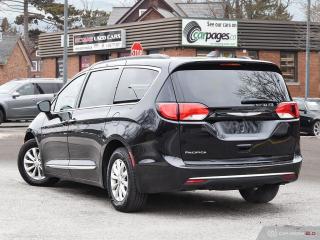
{"points": [[257, 101]]}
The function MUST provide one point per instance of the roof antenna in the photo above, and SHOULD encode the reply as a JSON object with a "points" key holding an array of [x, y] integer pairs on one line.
{"points": [[214, 54]]}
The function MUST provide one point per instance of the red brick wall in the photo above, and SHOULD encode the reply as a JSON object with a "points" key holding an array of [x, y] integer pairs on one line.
{"points": [[179, 52], [48, 68], [16, 67]]}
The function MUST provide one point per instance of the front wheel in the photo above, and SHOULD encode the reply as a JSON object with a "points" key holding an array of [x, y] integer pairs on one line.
{"points": [[262, 194], [122, 189], [30, 165]]}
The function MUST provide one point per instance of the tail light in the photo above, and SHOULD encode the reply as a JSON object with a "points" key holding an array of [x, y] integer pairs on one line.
{"points": [[191, 181], [288, 110], [183, 111]]}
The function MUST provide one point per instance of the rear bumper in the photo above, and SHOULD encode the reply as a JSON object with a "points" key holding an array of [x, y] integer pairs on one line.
{"points": [[173, 175]]}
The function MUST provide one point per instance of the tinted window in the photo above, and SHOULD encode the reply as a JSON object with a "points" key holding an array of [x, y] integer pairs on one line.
{"points": [[301, 104], [68, 97], [226, 88], [27, 89], [134, 83], [48, 88], [100, 88]]}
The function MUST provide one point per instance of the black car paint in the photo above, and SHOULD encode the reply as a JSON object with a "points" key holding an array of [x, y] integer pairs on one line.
{"points": [[89, 135]]}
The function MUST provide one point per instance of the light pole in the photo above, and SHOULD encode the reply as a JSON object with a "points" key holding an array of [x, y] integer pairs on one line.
{"points": [[308, 50], [65, 43]]}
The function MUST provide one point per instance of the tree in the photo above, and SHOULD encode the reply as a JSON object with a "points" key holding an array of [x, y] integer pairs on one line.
{"points": [[5, 25], [252, 9], [315, 10], [257, 9], [90, 17]]}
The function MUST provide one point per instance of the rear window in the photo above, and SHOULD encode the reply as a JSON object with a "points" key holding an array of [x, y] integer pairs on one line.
{"points": [[227, 88], [134, 83]]}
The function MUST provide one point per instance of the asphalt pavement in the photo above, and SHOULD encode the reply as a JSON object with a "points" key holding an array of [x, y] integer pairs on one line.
{"points": [[76, 211]]}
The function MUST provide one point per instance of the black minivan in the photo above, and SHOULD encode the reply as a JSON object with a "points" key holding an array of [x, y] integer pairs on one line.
{"points": [[152, 124]]}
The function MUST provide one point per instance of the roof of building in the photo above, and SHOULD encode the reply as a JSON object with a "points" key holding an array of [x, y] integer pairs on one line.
{"points": [[7, 45], [211, 9], [116, 14], [179, 9]]}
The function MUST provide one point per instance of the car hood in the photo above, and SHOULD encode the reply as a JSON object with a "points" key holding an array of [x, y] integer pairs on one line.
{"points": [[4, 95]]}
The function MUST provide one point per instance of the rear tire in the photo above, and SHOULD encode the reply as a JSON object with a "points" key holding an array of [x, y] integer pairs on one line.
{"points": [[262, 194], [315, 131], [122, 188], [1, 116], [30, 165]]}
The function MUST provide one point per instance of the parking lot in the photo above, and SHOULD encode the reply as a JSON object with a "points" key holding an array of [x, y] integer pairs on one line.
{"points": [[77, 211]]}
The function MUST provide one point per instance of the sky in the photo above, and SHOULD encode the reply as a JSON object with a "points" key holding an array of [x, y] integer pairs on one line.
{"points": [[295, 9]]}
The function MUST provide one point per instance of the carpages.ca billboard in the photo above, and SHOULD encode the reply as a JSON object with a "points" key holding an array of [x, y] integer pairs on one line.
{"points": [[209, 33]]}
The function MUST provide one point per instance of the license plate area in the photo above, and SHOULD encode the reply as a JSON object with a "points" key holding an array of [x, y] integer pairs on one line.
{"points": [[240, 127]]}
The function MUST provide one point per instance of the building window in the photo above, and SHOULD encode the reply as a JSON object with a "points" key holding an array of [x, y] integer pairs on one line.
{"points": [[84, 62], [288, 66], [59, 67], [141, 11], [34, 67], [154, 51], [123, 54], [227, 53], [253, 54]]}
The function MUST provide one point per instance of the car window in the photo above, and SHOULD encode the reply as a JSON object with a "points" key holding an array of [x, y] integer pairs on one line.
{"points": [[227, 88], [134, 83], [68, 96], [27, 89], [301, 105], [313, 105], [100, 88], [47, 88]]}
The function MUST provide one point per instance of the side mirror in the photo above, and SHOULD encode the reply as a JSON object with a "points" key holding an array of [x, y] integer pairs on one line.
{"points": [[44, 106], [15, 95]]}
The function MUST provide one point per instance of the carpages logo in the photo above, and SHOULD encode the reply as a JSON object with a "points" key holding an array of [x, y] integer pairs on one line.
{"points": [[193, 33], [210, 33]]}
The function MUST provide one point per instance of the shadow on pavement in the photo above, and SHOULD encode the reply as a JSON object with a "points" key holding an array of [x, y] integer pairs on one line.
{"points": [[184, 204]]}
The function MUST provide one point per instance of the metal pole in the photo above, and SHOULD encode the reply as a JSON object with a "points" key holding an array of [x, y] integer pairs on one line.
{"points": [[65, 43], [308, 51]]}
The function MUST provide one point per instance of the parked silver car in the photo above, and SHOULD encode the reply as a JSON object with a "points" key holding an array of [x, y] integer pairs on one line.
{"points": [[18, 98]]}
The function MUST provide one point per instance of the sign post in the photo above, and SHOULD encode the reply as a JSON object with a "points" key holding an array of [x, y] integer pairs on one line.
{"points": [[136, 49]]}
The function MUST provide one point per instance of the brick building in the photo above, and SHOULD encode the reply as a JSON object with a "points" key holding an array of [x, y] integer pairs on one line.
{"points": [[161, 27], [14, 60]]}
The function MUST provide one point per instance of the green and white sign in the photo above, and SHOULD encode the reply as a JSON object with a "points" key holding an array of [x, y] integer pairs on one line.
{"points": [[209, 33]]}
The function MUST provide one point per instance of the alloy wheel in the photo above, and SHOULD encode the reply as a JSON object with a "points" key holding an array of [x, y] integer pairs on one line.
{"points": [[119, 180], [316, 128], [33, 164]]}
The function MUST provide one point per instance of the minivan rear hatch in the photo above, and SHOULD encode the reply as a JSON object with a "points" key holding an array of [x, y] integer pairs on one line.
{"points": [[250, 118]]}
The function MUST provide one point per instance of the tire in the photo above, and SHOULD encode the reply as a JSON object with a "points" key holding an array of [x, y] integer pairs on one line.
{"points": [[262, 194], [122, 188], [1, 116], [29, 156], [315, 131]]}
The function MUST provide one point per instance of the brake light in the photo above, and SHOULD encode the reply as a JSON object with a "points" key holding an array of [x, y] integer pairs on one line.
{"points": [[288, 110], [168, 110], [183, 111]]}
